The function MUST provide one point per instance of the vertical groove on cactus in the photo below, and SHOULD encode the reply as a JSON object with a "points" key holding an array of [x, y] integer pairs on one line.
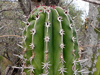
{"points": [[61, 31], [50, 43], [47, 39]]}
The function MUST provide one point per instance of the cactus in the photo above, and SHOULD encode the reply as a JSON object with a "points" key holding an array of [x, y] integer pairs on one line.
{"points": [[50, 43]]}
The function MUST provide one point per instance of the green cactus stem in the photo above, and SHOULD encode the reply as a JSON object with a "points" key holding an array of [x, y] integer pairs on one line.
{"points": [[50, 43]]}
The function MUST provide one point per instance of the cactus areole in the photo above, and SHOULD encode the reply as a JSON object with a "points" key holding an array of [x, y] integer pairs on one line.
{"points": [[50, 43]]}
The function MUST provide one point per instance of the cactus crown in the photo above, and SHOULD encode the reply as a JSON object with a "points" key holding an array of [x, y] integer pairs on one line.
{"points": [[50, 43]]}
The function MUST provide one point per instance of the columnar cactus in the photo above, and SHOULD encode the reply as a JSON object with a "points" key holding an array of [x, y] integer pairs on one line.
{"points": [[50, 43]]}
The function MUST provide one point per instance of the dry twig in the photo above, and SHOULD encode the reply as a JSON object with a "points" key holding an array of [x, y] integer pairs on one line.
{"points": [[94, 2], [11, 35]]}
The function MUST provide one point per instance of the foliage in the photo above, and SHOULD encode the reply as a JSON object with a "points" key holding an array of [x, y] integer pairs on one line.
{"points": [[10, 22]]}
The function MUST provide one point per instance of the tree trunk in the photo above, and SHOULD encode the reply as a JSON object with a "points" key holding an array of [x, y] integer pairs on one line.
{"points": [[91, 37], [32, 3]]}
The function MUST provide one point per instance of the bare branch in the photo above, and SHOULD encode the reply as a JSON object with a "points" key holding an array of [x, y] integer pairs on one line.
{"points": [[6, 57], [8, 9], [11, 35], [51, 2], [91, 46], [1, 27], [24, 9], [29, 5], [92, 1], [69, 3]]}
